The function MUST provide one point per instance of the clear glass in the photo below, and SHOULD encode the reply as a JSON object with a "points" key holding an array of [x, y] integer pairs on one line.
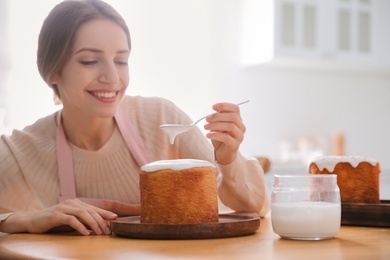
{"points": [[306, 207]]}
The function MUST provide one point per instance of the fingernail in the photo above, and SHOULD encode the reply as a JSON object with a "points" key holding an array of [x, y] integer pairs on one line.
{"points": [[108, 230], [99, 231]]}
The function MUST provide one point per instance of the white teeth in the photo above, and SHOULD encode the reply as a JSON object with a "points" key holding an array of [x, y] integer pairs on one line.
{"points": [[105, 94]]}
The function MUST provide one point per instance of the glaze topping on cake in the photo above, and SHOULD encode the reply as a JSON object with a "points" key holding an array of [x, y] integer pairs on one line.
{"points": [[179, 164], [329, 162]]}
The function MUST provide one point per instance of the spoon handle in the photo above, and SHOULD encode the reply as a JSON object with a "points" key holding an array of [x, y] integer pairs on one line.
{"points": [[216, 112], [243, 102]]}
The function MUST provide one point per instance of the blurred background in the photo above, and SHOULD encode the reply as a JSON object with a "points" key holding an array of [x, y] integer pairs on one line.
{"points": [[316, 72]]}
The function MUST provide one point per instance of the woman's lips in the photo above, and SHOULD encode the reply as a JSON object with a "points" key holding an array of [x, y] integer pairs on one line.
{"points": [[105, 96]]}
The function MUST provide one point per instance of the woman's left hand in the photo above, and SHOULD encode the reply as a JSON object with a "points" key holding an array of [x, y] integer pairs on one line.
{"points": [[226, 132]]}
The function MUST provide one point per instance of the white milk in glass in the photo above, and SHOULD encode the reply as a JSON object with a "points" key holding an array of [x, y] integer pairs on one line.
{"points": [[306, 207], [306, 219]]}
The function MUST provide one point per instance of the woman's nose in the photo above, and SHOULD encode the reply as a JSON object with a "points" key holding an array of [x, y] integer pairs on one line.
{"points": [[109, 74]]}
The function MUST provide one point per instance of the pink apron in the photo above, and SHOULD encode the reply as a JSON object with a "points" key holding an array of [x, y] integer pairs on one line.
{"points": [[66, 170]]}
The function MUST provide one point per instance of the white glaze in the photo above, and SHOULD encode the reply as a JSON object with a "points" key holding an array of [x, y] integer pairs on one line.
{"points": [[174, 130], [329, 162], [179, 164]]}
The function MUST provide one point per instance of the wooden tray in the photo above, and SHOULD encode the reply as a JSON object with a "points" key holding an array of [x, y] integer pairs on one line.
{"points": [[229, 225], [363, 214]]}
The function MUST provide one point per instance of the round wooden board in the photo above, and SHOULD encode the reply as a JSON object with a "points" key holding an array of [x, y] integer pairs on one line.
{"points": [[229, 225]]}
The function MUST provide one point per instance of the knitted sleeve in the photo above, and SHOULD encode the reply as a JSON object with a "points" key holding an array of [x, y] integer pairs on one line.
{"points": [[27, 167]]}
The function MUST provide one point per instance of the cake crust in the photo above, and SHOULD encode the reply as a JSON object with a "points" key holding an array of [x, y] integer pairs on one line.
{"points": [[186, 196], [358, 184]]}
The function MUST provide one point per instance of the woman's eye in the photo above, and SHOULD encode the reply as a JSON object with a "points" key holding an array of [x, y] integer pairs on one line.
{"points": [[124, 63], [88, 62]]}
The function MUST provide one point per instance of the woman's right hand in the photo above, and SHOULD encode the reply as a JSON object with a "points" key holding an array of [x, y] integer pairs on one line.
{"points": [[73, 213]]}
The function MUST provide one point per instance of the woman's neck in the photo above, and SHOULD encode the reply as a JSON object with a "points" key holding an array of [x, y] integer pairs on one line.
{"points": [[87, 132]]}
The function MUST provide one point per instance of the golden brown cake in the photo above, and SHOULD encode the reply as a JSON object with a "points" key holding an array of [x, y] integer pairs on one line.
{"points": [[179, 192], [357, 176]]}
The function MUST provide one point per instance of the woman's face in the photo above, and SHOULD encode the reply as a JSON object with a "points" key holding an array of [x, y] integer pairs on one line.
{"points": [[95, 77]]}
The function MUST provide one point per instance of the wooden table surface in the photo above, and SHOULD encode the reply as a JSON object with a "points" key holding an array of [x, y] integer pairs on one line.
{"points": [[350, 243]]}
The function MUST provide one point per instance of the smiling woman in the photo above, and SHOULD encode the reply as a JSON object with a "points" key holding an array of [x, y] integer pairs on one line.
{"points": [[80, 165], [21, 86]]}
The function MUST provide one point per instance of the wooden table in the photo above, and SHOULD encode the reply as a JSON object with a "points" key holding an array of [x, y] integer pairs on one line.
{"points": [[351, 243]]}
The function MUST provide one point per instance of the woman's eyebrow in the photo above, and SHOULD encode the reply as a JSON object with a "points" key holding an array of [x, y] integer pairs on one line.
{"points": [[99, 51], [89, 50]]}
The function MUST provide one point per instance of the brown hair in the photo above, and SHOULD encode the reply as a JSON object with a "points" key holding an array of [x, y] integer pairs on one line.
{"points": [[59, 29]]}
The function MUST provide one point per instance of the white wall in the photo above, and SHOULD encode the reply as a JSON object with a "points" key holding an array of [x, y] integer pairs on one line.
{"points": [[304, 99], [3, 62], [28, 96], [189, 51], [293, 103], [172, 52]]}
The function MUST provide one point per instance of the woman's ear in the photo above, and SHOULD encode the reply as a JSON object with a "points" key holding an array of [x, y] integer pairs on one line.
{"points": [[54, 85], [54, 80]]}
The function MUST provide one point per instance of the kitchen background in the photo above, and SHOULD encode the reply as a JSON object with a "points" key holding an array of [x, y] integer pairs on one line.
{"points": [[313, 70]]}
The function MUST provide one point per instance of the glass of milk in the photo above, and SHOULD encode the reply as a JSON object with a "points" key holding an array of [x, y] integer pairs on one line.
{"points": [[306, 207]]}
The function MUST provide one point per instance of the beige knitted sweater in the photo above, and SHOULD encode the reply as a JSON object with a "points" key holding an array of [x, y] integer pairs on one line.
{"points": [[29, 175]]}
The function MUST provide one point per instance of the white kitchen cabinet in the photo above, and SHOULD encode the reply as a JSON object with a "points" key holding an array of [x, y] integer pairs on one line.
{"points": [[341, 31]]}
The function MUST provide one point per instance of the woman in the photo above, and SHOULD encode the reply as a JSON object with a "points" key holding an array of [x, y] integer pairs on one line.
{"points": [[101, 137]]}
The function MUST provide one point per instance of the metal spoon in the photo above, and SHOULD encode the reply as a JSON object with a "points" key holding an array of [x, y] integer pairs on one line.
{"points": [[175, 129]]}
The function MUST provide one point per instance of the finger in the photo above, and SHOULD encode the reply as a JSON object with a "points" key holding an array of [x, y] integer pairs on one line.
{"points": [[73, 222], [105, 214], [123, 209], [79, 219], [230, 143], [101, 223], [228, 118], [226, 107], [230, 129], [87, 215], [92, 217]]}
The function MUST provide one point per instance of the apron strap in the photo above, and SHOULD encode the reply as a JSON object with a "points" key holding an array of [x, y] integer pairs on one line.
{"points": [[132, 138], [66, 167], [65, 162]]}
